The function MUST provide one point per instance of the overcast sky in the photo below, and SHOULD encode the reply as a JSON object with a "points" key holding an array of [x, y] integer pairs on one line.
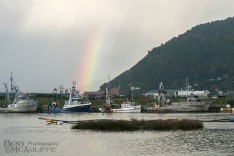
{"points": [[47, 43]]}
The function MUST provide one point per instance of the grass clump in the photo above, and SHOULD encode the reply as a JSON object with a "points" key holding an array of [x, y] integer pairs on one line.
{"points": [[107, 125], [134, 125]]}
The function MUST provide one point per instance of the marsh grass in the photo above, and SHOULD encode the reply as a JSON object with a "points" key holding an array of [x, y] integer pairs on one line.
{"points": [[134, 125]]}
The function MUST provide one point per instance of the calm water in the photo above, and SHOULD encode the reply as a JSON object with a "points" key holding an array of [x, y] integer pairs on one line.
{"points": [[25, 134]]}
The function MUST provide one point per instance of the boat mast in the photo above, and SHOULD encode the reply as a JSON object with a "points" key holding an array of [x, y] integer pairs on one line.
{"points": [[132, 88], [107, 92], [11, 96], [72, 92], [187, 85], [107, 99], [73, 87], [161, 94], [7, 96]]}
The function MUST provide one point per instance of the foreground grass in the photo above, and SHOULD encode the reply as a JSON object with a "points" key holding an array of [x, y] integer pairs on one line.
{"points": [[134, 125]]}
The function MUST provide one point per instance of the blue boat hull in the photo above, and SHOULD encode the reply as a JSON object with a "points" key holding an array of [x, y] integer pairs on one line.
{"points": [[84, 108], [231, 119]]}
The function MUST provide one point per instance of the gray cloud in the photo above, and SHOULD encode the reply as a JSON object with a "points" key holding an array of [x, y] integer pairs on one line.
{"points": [[43, 42]]}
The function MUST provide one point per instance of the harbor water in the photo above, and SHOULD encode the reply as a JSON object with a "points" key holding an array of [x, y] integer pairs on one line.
{"points": [[25, 134]]}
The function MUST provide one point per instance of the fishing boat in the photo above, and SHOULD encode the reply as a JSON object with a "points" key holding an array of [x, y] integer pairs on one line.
{"points": [[17, 101], [75, 103], [108, 103], [191, 104], [186, 106], [125, 107]]}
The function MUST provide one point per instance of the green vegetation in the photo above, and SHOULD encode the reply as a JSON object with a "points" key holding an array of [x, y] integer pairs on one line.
{"points": [[204, 54], [134, 125], [2, 99]]}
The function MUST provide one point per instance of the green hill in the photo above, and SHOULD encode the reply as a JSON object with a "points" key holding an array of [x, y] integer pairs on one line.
{"points": [[204, 54]]}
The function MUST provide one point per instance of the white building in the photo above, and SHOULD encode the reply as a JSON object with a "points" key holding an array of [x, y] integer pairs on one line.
{"points": [[153, 94], [184, 93]]}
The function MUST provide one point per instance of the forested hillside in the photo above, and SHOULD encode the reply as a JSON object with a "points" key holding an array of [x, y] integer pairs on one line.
{"points": [[204, 54]]}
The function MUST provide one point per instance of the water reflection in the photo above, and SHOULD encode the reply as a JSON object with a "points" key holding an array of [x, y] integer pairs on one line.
{"points": [[214, 139]]}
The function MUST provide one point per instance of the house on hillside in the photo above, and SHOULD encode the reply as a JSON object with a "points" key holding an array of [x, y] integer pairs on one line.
{"points": [[92, 95]]}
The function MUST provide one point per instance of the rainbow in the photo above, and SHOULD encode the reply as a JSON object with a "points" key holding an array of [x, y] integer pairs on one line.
{"points": [[89, 63]]}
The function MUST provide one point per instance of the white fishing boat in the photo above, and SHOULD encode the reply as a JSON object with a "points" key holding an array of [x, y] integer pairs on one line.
{"points": [[17, 101], [126, 107], [23, 102]]}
